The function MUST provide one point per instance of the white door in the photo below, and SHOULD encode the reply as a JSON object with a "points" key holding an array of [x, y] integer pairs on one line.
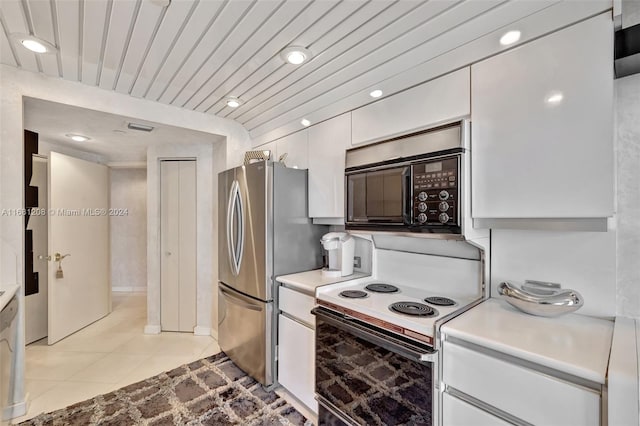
{"points": [[78, 227], [178, 245]]}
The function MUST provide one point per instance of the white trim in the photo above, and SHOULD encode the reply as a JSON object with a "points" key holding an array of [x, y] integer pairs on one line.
{"points": [[214, 334], [127, 165], [199, 330], [152, 329], [132, 289], [16, 410]]}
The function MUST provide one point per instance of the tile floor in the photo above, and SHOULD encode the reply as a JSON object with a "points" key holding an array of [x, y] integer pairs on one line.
{"points": [[104, 356]]}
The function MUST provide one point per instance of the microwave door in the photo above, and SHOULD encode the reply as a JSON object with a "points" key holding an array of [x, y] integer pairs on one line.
{"points": [[379, 196], [357, 198]]}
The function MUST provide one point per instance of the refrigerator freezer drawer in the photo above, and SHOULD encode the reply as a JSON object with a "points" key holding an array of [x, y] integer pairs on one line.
{"points": [[245, 333]]}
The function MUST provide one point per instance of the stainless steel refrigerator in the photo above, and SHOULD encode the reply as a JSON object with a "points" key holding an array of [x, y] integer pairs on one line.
{"points": [[264, 232]]}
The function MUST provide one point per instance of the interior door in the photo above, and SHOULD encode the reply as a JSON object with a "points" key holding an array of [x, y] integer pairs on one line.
{"points": [[79, 228], [178, 245]]}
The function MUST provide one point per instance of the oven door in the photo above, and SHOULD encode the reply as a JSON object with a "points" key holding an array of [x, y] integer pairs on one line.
{"points": [[369, 376]]}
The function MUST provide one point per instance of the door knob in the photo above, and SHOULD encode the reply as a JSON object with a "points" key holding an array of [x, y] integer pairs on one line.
{"points": [[168, 253], [58, 257]]}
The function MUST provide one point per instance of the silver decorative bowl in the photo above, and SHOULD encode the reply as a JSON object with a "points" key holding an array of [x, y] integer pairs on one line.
{"points": [[541, 299]]}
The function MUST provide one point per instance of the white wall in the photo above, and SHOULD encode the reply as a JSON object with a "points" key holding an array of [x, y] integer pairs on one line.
{"points": [[16, 84], [627, 137], [583, 261], [128, 232]]}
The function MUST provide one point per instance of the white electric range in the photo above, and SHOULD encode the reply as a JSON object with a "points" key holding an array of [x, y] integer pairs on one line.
{"points": [[377, 345], [398, 308]]}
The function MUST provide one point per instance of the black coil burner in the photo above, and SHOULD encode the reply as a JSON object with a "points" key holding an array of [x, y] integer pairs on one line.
{"points": [[413, 308], [440, 301], [353, 294], [382, 288]]}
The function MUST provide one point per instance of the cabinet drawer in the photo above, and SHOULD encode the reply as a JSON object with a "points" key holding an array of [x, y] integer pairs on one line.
{"points": [[297, 305], [296, 362], [456, 412], [526, 394]]}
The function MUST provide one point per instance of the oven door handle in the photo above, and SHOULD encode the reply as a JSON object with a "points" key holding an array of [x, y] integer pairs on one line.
{"points": [[324, 403], [371, 336]]}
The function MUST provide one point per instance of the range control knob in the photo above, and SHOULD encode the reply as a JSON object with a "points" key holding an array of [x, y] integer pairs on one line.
{"points": [[444, 195], [422, 218], [422, 196], [422, 207], [443, 206], [443, 218]]}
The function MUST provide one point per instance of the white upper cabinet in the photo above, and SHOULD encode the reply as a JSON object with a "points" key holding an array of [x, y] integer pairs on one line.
{"points": [[542, 127], [295, 146], [328, 142], [429, 104]]}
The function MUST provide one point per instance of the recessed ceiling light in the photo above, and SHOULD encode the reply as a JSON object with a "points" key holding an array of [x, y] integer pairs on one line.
{"points": [[510, 38], [555, 98], [295, 54], [376, 93], [305, 122], [34, 44], [233, 102], [77, 138]]}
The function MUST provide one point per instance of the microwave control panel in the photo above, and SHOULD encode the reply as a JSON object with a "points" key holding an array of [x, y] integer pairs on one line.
{"points": [[436, 192]]}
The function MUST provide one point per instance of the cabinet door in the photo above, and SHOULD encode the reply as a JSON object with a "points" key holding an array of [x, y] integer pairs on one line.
{"points": [[296, 360], [327, 144], [295, 146], [459, 413], [443, 99], [542, 131]]}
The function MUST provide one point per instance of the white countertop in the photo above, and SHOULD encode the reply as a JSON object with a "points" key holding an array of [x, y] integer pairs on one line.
{"points": [[9, 291], [309, 280], [572, 343]]}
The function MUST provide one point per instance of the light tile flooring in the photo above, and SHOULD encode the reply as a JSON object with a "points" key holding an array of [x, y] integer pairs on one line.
{"points": [[105, 356]]}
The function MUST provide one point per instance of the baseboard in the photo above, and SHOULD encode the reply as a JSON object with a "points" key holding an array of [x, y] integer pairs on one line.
{"points": [[134, 289], [199, 330], [214, 334], [152, 329], [16, 410]]}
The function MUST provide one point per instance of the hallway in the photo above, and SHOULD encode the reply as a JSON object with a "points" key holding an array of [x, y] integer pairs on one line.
{"points": [[107, 355]]}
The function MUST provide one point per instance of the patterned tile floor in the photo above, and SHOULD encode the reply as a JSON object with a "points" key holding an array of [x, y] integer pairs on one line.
{"points": [[107, 355]]}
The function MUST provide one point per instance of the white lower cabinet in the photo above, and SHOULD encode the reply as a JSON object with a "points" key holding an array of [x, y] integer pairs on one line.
{"points": [[513, 387], [456, 412], [296, 346], [296, 360]]}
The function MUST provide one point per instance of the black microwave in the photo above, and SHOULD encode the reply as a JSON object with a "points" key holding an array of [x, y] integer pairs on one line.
{"points": [[418, 194]]}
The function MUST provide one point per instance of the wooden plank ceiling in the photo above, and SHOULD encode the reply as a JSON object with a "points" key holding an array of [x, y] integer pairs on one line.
{"points": [[195, 53]]}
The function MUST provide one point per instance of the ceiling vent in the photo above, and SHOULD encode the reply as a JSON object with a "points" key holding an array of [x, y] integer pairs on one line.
{"points": [[627, 41], [140, 127]]}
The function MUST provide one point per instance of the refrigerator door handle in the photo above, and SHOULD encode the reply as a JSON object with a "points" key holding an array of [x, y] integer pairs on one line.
{"points": [[239, 302], [230, 231], [235, 228], [239, 210]]}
